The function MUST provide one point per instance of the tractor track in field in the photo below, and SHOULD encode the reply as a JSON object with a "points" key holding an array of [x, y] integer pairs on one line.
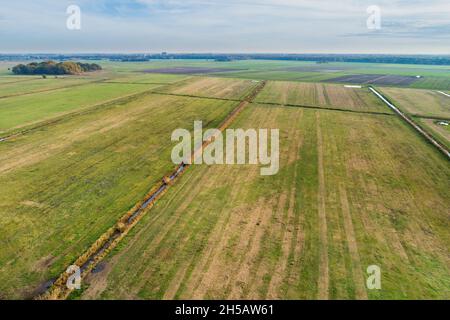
{"points": [[428, 137], [109, 240]]}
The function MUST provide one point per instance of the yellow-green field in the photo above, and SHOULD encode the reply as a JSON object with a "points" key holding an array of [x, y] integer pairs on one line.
{"points": [[320, 95], [65, 184], [357, 187], [31, 109], [338, 205], [424, 103], [220, 88], [40, 85]]}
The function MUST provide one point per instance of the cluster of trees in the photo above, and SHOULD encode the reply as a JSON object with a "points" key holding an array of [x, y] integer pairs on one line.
{"points": [[54, 68]]}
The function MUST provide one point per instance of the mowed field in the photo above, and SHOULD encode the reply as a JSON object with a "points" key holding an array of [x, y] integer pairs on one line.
{"points": [[221, 88], [354, 190], [320, 95], [144, 78], [423, 103], [17, 88], [31, 109], [68, 182], [425, 107]]}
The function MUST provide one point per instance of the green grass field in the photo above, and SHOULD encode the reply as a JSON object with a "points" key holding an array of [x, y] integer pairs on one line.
{"points": [[81, 175], [357, 186], [220, 88], [321, 95], [39, 84], [147, 78], [439, 131], [344, 199], [18, 112]]}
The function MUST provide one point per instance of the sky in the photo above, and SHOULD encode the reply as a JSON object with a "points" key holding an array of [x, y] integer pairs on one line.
{"points": [[227, 26]]}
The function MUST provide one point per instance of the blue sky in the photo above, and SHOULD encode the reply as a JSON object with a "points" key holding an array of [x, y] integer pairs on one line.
{"points": [[294, 26]]}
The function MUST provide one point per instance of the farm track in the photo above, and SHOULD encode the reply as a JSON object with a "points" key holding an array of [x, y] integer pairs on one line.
{"points": [[429, 138], [109, 240]]}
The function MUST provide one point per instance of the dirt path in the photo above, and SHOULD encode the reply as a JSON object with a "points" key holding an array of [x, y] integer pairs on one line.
{"points": [[323, 281]]}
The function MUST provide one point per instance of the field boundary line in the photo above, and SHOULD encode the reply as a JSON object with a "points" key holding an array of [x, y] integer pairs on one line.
{"points": [[143, 83], [352, 244], [276, 104], [109, 240], [323, 279], [23, 80], [445, 94], [193, 96], [52, 89], [430, 117], [70, 115], [325, 108], [428, 137]]}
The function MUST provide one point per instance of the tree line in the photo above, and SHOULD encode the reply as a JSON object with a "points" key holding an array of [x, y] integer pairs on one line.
{"points": [[54, 68]]}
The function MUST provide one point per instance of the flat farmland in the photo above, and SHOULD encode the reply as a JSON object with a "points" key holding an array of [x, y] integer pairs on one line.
{"points": [[221, 88], [320, 95], [424, 103], [353, 190], [18, 112], [39, 84], [11, 79], [138, 77], [65, 184], [439, 131]]}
